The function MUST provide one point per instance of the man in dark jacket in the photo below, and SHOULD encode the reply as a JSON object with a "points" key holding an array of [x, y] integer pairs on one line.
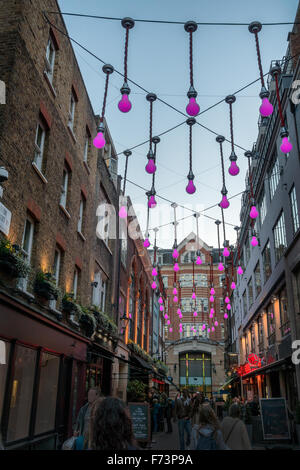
{"points": [[83, 419], [183, 413]]}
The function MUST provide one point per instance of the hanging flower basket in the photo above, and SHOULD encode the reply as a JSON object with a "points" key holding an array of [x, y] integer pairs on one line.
{"points": [[44, 286], [69, 305], [88, 323], [12, 265], [104, 320]]}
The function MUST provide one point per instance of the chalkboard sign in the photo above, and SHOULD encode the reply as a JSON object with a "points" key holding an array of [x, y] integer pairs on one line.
{"points": [[274, 418], [140, 415]]}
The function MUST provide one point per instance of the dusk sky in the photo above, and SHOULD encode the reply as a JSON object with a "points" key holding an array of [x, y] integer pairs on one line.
{"points": [[224, 61]]}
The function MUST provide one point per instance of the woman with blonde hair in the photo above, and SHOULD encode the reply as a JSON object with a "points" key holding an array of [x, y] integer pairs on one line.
{"points": [[207, 433]]}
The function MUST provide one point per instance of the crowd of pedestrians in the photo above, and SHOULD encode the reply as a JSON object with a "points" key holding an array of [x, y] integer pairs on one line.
{"points": [[104, 423]]}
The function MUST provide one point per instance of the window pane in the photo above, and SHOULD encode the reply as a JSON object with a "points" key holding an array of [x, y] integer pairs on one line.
{"points": [[46, 405], [4, 355], [257, 279], [294, 209], [267, 262], [27, 237], [21, 395], [279, 237], [274, 176]]}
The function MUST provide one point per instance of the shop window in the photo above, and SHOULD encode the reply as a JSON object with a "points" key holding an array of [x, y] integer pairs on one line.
{"points": [[47, 394], [266, 255], [21, 393], [4, 356]]}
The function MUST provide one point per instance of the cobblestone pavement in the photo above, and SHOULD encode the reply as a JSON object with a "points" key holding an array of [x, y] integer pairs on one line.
{"points": [[165, 441]]}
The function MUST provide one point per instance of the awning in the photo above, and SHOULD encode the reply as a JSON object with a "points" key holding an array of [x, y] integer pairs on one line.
{"points": [[227, 383], [141, 362], [273, 366]]}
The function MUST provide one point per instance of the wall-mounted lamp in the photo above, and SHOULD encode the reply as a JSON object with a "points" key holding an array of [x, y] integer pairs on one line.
{"points": [[94, 284]]}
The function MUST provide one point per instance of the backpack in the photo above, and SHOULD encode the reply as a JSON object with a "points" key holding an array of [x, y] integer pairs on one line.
{"points": [[206, 442]]}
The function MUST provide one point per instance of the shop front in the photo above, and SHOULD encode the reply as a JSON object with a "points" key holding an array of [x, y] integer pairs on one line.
{"points": [[42, 370]]}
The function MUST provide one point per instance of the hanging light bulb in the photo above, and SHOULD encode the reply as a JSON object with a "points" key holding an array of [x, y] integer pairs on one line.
{"points": [[216, 323], [227, 300], [174, 291], [228, 307], [166, 316], [193, 107], [146, 243], [154, 272], [253, 212], [161, 308], [266, 108], [224, 203], [233, 169], [208, 330], [240, 270], [193, 295], [254, 241], [175, 253], [203, 326], [150, 167], [122, 212], [225, 316], [124, 104], [211, 299], [212, 291], [212, 328], [233, 286], [211, 313], [160, 300], [226, 252], [286, 145], [191, 188], [130, 316], [178, 311], [180, 316], [176, 267], [153, 285], [170, 330], [175, 299], [99, 141], [220, 267], [198, 260], [168, 322], [195, 314], [152, 202]]}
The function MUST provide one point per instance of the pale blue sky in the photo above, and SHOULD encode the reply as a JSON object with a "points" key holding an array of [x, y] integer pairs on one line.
{"points": [[224, 61]]}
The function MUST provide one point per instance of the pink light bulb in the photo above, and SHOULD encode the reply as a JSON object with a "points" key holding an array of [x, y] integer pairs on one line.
{"points": [[161, 308], [174, 291], [211, 299], [195, 314], [99, 141], [233, 169], [233, 286], [152, 202], [122, 213], [170, 330], [146, 243], [212, 311], [240, 270], [193, 296], [175, 299], [208, 330], [154, 272], [212, 328], [198, 260], [266, 109], [193, 107], [254, 241], [150, 167], [228, 307], [130, 316], [153, 285], [286, 145], [124, 104], [227, 300], [226, 252], [253, 212], [160, 301], [166, 317], [203, 327], [225, 315], [211, 315], [216, 323], [221, 267], [224, 203], [176, 267], [180, 316], [212, 291], [178, 311], [191, 188], [180, 325], [168, 322], [175, 253]]}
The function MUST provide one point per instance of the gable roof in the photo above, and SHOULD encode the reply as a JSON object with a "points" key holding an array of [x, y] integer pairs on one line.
{"points": [[193, 236]]}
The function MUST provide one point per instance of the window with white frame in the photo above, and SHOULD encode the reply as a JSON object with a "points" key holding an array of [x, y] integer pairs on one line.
{"points": [[262, 207], [193, 329], [40, 136], [86, 148], [81, 215], [50, 59], [64, 188], [76, 282], [56, 272], [102, 294], [294, 209], [188, 257], [279, 237], [274, 175], [72, 110], [27, 243]]}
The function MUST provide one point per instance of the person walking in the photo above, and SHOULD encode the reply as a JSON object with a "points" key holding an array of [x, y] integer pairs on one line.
{"points": [[81, 429], [112, 426], [169, 415], [208, 435], [183, 412], [234, 430], [156, 413]]}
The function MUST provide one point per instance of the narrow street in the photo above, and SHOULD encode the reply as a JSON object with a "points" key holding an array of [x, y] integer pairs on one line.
{"points": [[165, 441]]}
